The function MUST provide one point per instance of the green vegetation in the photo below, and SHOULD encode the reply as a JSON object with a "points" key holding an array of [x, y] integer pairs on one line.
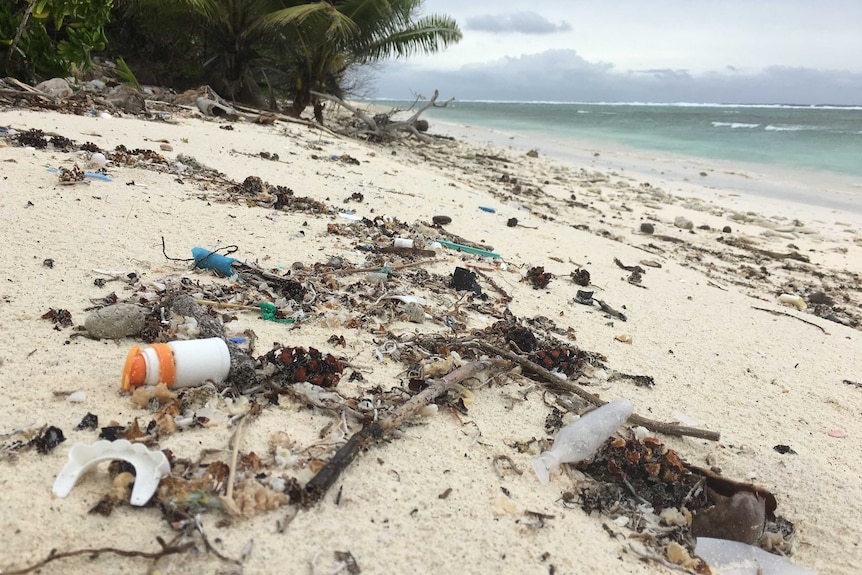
{"points": [[47, 38], [289, 48], [325, 39]]}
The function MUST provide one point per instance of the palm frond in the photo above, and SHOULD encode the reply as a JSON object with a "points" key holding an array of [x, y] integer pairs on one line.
{"points": [[427, 35]]}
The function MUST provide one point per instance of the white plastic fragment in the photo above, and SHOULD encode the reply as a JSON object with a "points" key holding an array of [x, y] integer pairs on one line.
{"points": [[735, 558], [581, 438], [76, 397], [403, 298], [403, 243], [150, 466], [794, 300]]}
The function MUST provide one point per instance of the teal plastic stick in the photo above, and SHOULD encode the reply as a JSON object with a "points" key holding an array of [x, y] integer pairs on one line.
{"points": [[468, 249]]}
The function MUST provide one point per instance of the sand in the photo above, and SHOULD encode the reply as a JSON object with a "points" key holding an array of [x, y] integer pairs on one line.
{"points": [[718, 363]]}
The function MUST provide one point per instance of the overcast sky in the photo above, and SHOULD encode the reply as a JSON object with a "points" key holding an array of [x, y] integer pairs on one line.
{"points": [[749, 51]]}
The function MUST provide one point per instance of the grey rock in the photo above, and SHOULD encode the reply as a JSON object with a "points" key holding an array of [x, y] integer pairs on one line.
{"points": [[741, 517], [94, 86], [126, 98], [55, 87], [415, 312], [683, 222], [647, 228], [116, 321]]}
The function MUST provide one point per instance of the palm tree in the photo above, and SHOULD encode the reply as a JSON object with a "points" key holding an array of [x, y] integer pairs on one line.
{"points": [[313, 43], [231, 39], [326, 38]]}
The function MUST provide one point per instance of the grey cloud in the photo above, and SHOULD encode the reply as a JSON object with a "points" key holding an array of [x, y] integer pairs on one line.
{"points": [[666, 73], [521, 22], [563, 75]]}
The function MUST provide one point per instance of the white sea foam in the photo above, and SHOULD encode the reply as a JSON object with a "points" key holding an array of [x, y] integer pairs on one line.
{"points": [[787, 128], [734, 125]]}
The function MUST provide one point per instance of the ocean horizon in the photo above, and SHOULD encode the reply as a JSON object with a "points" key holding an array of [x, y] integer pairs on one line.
{"points": [[822, 138]]}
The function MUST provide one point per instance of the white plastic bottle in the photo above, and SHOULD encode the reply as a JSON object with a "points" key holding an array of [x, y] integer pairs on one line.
{"points": [[177, 363], [580, 439]]}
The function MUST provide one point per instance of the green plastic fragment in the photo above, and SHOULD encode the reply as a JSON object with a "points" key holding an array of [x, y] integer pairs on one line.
{"points": [[468, 249], [268, 311]]}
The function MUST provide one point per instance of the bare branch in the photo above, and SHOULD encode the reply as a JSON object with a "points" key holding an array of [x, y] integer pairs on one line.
{"points": [[167, 549], [329, 473], [554, 381], [389, 130]]}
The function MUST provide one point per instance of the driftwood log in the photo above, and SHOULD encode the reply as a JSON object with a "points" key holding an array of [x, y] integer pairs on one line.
{"points": [[388, 130]]}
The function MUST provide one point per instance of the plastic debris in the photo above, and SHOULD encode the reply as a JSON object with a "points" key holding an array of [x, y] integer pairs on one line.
{"points": [[468, 249], [487, 209], [150, 466], [580, 439], [465, 280], [212, 108], [270, 312], [584, 297], [793, 300], [734, 558], [177, 363], [208, 260], [94, 175], [403, 243]]}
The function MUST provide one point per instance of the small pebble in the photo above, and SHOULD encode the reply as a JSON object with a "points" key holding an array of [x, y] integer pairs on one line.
{"points": [[726, 229], [441, 220], [512, 222], [77, 397], [166, 148], [647, 228], [99, 160]]}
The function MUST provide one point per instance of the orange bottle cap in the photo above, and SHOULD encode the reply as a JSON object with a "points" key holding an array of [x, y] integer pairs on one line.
{"points": [[167, 367], [135, 369]]}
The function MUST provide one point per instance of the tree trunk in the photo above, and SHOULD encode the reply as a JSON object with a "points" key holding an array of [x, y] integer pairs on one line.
{"points": [[300, 102], [318, 110]]}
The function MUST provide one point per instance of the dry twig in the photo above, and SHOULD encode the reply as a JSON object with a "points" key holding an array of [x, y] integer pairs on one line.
{"points": [[227, 500], [777, 312], [651, 424], [329, 474], [167, 549]]}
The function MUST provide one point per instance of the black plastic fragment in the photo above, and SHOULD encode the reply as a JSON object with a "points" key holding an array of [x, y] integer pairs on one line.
{"points": [[465, 280], [90, 421], [48, 439]]}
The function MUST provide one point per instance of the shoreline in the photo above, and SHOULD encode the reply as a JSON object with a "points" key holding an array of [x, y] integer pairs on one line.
{"points": [[775, 184], [435, 498]]}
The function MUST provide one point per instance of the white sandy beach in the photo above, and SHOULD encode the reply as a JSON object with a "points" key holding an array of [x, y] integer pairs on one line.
{"points": [[759, 379]]}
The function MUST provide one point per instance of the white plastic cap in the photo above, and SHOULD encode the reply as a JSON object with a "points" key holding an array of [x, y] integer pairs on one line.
{"points": [[544, 465]]}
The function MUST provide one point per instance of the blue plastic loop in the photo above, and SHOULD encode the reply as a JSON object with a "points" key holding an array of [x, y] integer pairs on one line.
{"points": [[208, 260]]}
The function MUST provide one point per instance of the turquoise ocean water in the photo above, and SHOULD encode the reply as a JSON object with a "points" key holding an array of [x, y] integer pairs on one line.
{"points": [[817, 139]]}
